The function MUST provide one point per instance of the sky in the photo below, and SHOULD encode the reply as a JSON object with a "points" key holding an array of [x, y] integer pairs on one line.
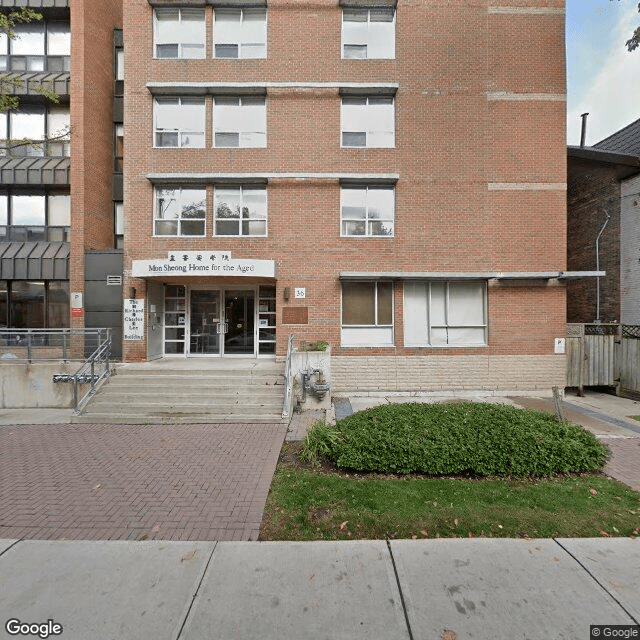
{"points": [[603, 78]]}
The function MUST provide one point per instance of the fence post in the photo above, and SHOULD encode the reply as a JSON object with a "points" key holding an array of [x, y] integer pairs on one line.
{"points": [[29, 346]]}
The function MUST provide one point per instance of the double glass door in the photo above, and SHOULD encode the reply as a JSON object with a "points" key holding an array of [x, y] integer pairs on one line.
{"points": [[222, 322]]}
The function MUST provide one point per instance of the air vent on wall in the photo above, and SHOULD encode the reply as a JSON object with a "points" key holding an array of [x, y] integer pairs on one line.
{"points": [[114, 281]]}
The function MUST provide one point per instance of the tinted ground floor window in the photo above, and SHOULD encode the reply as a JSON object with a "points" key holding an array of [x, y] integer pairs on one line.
{"points": [[34, 304]]}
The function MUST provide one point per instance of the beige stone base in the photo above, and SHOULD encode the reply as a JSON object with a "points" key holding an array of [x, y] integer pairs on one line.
{"points": [[416, 374]]}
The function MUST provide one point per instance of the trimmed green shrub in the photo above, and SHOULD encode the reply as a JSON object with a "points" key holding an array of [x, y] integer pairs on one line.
{"points": [[457, 438]]}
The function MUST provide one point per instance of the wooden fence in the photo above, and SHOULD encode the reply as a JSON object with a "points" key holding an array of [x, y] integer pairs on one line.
{"points": [[604, 355]]}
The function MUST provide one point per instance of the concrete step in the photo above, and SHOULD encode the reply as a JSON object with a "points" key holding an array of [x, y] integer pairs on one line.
{"points": [[189, 392], [192, 418], [157, 408]]}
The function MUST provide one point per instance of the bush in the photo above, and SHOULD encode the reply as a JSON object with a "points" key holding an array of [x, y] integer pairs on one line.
{"points": [[318, 442], [457, 438]]}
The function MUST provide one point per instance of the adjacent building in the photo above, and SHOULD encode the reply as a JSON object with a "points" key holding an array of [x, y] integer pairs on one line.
{"points": [[603, 209], [56, 172]]}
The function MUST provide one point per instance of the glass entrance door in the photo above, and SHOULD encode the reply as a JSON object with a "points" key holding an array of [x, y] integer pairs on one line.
{"points": [[205, 322], [239, 307]]}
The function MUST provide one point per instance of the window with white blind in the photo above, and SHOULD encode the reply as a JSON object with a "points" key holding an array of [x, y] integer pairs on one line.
{"points": [[179, 122], [368, 121], [239, 121], [240, 33], [179, 33], [445, 314], [368, 33]]}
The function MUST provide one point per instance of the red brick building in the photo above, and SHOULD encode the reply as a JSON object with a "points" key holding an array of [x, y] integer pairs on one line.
{"points": [[387, 177]]}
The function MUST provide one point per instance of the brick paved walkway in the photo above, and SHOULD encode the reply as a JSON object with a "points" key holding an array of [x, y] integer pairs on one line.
{"points": [[171, 482], [624, 464]]}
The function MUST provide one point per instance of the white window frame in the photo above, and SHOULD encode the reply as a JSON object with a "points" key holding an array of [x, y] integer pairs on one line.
{"points": [[427, 327], [180, 200], [368, 335], [240, 219], [368, 220], [372, 37], [179, 36], [243, 46], [181, 130], [243, 121], [367, 106]]}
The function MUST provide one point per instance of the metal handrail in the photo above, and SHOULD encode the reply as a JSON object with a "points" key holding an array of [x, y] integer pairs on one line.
{"points": [[35, 345], [288, 379], [86, 374]]}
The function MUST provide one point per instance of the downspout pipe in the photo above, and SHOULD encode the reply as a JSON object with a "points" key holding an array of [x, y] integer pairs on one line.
{"points": [[606, 222]]}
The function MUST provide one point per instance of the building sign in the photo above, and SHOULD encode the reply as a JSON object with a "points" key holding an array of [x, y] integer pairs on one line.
{"points": [[203, 263], [133, 325]]}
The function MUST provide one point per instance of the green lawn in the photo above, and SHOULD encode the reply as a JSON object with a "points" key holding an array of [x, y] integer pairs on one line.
{"points": [[321, 504]]}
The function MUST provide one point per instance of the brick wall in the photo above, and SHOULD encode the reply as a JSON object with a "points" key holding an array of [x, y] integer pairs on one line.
{"points": [[593, 189], [480, 151], [92, 78]]}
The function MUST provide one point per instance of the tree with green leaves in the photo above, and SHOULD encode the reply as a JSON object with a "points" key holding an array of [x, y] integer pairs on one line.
{"points": [[634, 41]]}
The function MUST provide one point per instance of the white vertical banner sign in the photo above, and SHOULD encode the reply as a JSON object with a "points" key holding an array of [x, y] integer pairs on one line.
{"points": [[133, 320]]}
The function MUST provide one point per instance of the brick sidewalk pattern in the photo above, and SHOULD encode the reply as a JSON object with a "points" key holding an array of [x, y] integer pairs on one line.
{"points": [[624, 464], [142, 482]]}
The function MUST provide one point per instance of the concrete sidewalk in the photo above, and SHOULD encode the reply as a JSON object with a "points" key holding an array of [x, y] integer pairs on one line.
{"points": [[451, 589]]}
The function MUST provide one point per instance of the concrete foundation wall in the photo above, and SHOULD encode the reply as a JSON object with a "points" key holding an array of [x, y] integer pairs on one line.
{"points": [[447, 373], [24, 386]]}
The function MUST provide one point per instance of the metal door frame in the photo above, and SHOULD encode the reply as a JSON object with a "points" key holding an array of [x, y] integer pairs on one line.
{"points": [[222, 291]]}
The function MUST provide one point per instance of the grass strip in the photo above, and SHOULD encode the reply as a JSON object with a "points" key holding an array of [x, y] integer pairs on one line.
{"points": [[314, 504]]}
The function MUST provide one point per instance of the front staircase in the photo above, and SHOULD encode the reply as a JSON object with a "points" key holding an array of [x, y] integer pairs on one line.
{"points": [[189, 391]]}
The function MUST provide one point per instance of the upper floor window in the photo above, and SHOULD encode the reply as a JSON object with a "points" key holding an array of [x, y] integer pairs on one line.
{"points": [[180, 212], [367, 211], [368, 33], [368, 121], [36, 131], [240, 33], [179, 122], [37, 46], [240, 122], [118, 147], [29, 216], [240, 211], [179, 33]]}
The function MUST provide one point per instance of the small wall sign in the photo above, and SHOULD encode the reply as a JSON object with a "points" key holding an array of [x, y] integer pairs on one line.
{"points": [[300, 292], [133, 319], [560, 345]]}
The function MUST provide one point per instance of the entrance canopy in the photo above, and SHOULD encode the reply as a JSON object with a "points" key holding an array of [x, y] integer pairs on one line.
{"points": [[203, 263]]}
